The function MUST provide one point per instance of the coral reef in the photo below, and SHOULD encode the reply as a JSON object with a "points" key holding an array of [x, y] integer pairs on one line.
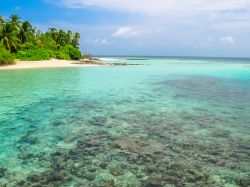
{"points": [[193, 139]]}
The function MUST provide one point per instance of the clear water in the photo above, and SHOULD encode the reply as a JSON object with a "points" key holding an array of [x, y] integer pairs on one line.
{"points": [[170, 122]]}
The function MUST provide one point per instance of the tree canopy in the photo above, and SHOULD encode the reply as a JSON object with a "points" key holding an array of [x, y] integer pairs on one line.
{"points": [[25, 42]]}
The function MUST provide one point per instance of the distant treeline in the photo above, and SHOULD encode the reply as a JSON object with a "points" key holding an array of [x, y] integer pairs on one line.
{"points": [[20, 40]]}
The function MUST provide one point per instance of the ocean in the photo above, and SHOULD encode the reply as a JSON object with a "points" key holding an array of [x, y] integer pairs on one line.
{"points": [[168, 121]]}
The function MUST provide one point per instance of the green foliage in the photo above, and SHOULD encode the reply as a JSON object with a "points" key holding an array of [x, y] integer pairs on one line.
{"points": [[74, 53], [45, 41], [75, 40], [68, 52], [34, 54], [8, 36], [5, 56], [63, 38], [26, 31], [28, 43], [63, 54]]}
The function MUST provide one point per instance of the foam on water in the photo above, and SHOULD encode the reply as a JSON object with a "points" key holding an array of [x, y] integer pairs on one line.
{"points": [[170, 122]]}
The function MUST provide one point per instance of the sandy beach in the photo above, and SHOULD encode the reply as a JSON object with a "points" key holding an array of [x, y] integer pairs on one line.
{"points": [[54, 63]]}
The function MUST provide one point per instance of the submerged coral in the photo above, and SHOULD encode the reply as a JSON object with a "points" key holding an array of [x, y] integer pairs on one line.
{"points": [[150, 140]]}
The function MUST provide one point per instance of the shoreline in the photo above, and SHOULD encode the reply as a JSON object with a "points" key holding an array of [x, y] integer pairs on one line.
{"points": [[53, 63]]}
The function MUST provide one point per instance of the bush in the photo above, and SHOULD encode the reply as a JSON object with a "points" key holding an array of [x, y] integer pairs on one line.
{"points": [[62, 55], [28, 46], [75, 54], [35, 54], [68, 52], [5, 56], [47, 43]]}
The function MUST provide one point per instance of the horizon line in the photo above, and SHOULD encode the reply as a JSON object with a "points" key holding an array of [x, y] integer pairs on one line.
{"points": [[174, 56]]}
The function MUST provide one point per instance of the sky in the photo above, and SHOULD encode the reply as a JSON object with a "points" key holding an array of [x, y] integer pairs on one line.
{"points": [[145, 27]]}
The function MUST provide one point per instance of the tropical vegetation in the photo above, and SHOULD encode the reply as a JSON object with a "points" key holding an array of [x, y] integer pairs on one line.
{"points": [[5, 56], [20, 40]]}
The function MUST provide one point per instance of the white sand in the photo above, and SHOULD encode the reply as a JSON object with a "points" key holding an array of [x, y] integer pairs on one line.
{"points": [[54, 63]]}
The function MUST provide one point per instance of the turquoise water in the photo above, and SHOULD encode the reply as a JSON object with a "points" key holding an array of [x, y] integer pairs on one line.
{"points": [[170, 122]]}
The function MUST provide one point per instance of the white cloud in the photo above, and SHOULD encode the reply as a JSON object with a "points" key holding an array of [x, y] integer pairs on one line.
{"points": [[96, 41], [210, 13], [211, 41], [160, 6], [175, 25], [227, 40], [125, 32]]}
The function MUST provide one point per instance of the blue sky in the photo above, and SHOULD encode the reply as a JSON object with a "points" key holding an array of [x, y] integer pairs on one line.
{"points": [[145, 27]]}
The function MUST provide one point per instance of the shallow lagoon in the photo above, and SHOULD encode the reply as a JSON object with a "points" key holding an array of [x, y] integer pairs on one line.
{"points": [[170, 122]]}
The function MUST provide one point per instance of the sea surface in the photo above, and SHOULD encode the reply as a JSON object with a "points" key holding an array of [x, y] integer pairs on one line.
{"points": [[162, 122]]}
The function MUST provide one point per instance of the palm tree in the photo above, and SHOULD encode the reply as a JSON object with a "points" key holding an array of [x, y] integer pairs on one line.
{"points": [[37, 33], [15, 21], [8, 33], [14, 18], [1, 24], [69, 37], [9, 37], [75, 40], [1, 20], [62, 38], [26, 32], [53, 33]]}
